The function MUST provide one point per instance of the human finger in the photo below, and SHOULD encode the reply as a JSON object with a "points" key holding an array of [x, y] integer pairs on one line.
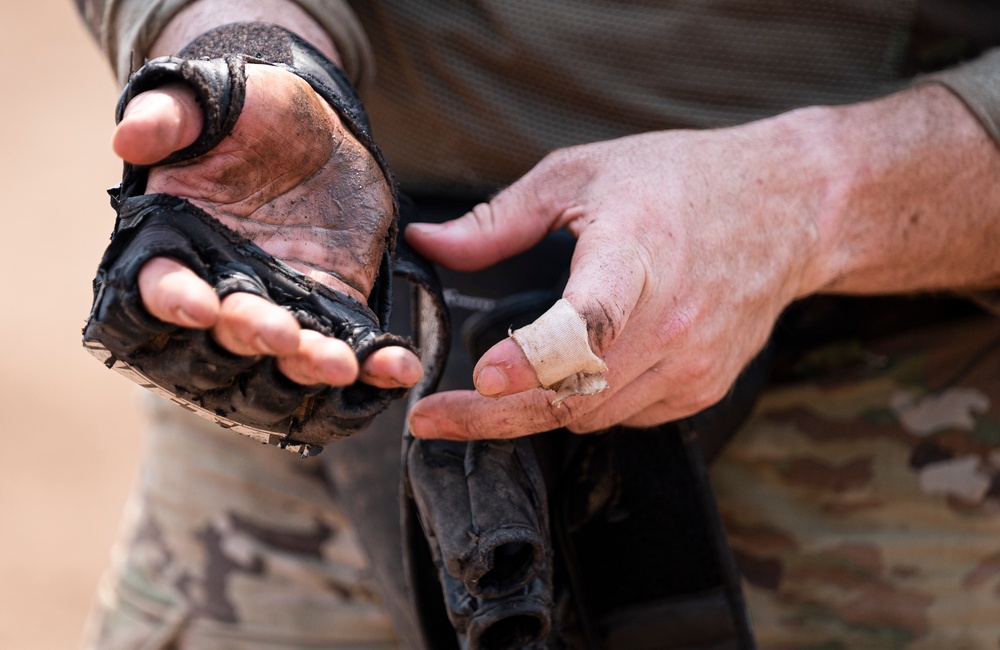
{"points": [[651, 400], [250, 325], [391, 367], [157, 123], [603, 291], [513, 221], [174, 294], [467, 415], [504, 370], [320, 359], [608, 273]]}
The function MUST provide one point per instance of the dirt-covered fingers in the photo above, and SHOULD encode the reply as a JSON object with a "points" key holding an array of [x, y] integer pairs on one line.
{"points": [[249, 325], [391, 367], [563, 348], [658, 395], [320, 359], [156, 124], [467, 415], [174, 294]]}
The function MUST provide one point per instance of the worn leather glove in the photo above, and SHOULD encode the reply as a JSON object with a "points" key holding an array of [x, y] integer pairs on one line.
{"points": [[247, 393]]}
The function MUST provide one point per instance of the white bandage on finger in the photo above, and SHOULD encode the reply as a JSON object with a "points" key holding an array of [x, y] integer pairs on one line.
{"points": [[558, 349]]}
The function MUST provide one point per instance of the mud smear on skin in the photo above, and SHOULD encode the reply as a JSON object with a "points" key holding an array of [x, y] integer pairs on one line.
{"points": [[296, 184]]}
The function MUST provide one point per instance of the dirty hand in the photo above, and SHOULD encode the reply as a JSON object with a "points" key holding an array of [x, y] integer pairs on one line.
{"points": [[284, 179], [688, 250], [692, 243]]}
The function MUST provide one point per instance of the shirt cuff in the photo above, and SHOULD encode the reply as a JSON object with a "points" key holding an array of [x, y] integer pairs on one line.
{"points": [[344, 28], [129, 28], [977, 83]]}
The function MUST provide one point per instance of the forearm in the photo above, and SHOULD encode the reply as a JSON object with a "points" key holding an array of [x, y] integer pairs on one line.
{"points": [[909, 199]]}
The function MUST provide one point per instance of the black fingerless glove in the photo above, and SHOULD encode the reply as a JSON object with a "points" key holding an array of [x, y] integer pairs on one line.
{"points": [[246, 394]]}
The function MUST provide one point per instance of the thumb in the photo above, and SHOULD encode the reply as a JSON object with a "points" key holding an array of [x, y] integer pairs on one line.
{"points": [[156, 124], [512, 222], [608, 271]]}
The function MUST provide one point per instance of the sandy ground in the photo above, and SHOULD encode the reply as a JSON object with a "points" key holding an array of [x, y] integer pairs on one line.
{"points": [[69, 424]]}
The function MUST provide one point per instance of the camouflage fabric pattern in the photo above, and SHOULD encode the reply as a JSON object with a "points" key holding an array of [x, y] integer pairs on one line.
{"points": [[232, 545], [863, 498]]}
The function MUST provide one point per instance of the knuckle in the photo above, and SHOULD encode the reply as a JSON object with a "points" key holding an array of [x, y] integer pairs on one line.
{"points": [[560, 177], [587, 425], [484, 218], [563, 414], [554, 164], [698, 371], [710, 396], [477, 428], [604, 318], [678, 327], [652, 415], [497, 419], [574, 414]]}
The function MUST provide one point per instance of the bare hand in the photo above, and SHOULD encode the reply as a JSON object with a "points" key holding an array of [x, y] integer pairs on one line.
{"points": [[692, 243], [689, 248]]}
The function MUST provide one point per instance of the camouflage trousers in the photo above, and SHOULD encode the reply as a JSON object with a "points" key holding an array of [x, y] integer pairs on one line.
{"points": [[228, 544], [862, 500]]}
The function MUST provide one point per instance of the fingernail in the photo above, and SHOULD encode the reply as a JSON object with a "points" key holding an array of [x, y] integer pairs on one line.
{"points": [[491, 381], [423, 427]]}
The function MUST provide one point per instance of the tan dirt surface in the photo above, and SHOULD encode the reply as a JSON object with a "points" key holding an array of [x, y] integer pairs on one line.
{"points": [[69, 426]]}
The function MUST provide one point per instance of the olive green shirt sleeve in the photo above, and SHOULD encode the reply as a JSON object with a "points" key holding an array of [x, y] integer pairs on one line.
{"points": [[126, 29], [977, 83]]}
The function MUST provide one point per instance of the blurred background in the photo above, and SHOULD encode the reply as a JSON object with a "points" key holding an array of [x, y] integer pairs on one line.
{"points": [[69, 426]]}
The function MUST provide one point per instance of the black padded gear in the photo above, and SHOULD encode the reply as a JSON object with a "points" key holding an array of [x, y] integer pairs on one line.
{"points": [[484, 512], [246, 394]]}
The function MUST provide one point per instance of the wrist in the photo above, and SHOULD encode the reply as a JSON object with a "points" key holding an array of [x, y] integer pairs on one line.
{"points": [[906, 195], [792, 183], [203, 15], [821, 173]]}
